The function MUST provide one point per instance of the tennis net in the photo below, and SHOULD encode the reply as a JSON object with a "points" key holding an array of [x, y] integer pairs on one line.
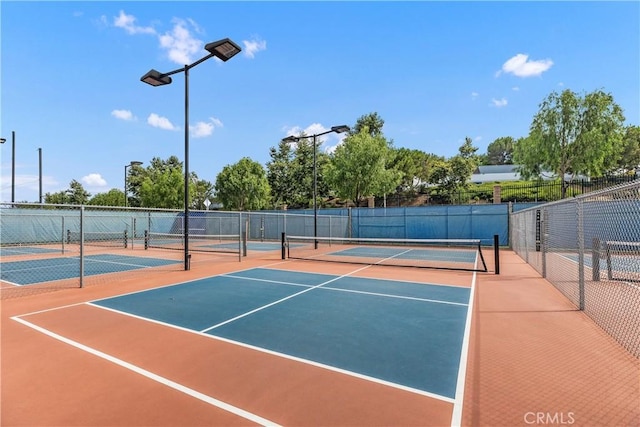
{"points": [[116, 239], [621, 260], [449, 254], [226, 243]]}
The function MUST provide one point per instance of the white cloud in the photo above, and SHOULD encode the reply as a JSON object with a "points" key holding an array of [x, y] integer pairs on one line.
{"points": [[312, 129], [26, 184], [498, 102], [202, 129], [251, 47], [127, 22], [179, 43], [315, 129], [561, 84], [521, 66], [123, 115], [474, 95], [515, 88], [94, 180], [160, 122]]}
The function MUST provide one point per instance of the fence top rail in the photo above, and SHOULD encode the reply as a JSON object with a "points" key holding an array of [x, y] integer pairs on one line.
{"points": [[5, 207], [594, 194]]}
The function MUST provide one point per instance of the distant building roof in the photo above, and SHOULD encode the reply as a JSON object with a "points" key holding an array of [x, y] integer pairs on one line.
{"points": [[498, 173], [496, 169], [493, 173]]}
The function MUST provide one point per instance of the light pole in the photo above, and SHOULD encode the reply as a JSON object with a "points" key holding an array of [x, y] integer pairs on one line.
{"points": [[291, 138], [40, 174], [13, 164], [3, 140], [132, 164], [224, 50]]}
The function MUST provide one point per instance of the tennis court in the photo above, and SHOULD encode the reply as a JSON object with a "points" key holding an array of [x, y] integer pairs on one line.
{"points": [[35, 271], [372, 339]]}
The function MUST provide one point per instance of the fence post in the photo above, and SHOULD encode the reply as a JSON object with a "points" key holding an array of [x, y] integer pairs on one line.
{"points": [[580, 231], [81, 246], [543, 240], [282, 247], [595, 259], [63, 239]]}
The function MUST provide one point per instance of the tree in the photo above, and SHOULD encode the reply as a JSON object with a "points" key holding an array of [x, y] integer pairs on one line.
{"points": [[358, 167], [59, 198], [453, 175], [74, 195], [630, 153], [372, 122], [243, 186], [415, 166], [157, 167], [500, 151], [280, 174], [200, 190], [113, 197], [572, 135], [290, 173], [163, 188]]}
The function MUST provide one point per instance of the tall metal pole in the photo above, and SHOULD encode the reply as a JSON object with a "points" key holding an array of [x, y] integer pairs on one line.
{"points": [[40, 174], [315, 193], [13, 166], [125, 185], [186, 167]]}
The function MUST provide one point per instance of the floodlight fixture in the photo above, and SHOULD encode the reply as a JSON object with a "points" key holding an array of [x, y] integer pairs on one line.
{"points": [[224, 49], [156, 78], [340, 129]]}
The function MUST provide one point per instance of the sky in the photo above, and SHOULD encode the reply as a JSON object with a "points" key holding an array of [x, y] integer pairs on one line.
{"points": [[435, 72]]}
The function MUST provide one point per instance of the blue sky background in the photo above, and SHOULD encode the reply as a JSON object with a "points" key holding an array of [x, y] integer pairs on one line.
{"points": [[436, 72]]}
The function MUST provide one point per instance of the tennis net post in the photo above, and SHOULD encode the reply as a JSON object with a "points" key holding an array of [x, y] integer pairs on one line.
{"points": [[496, 252]]}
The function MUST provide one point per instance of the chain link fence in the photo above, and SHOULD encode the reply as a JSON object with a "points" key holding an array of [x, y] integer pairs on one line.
{"points": [[588, 247], [47, 247]]}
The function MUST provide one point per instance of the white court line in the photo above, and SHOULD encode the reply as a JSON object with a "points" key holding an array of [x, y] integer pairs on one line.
{"points": [[456, 416], [281, 300], [90, 260], [435, 301], [165, 381], [256, 279], [285, 356], [354, 291]]}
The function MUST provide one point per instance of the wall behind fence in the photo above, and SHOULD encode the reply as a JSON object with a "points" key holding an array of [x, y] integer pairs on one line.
{"points": [[434, 222]]}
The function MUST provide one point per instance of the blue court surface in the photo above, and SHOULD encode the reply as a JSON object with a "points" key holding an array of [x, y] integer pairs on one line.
{"points": [[252, 246], [467, 256], [618, 263], [405, 333], [46, 270]]}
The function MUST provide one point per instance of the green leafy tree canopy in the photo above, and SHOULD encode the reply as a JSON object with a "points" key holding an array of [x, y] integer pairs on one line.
{"points": [[358, 167], [243, 186], [571, 135]]}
